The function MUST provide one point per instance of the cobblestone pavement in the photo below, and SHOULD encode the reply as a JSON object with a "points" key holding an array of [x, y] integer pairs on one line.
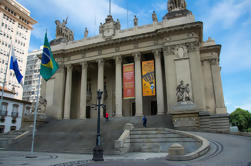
{"points": [[226, 150]]}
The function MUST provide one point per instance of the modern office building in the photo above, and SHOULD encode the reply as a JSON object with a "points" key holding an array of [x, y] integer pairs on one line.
{"points": [[15, 28], [31, 81]]}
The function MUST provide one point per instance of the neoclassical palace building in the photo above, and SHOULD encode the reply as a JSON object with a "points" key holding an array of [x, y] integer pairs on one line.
{"points": [[156, 69]]}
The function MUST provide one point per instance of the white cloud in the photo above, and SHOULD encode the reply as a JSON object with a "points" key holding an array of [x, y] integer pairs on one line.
{"points": [[227, 12], [245, 106], [81, 13]]}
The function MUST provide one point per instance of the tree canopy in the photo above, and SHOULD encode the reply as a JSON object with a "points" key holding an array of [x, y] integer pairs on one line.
{"points": [[241, 118]]}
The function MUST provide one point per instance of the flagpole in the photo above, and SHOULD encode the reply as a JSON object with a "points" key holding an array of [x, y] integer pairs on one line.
{"points": [[35, 122], [6, 70]]}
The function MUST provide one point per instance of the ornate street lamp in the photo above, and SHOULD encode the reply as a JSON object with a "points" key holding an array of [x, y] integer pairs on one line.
{"points": [[98, 149]]}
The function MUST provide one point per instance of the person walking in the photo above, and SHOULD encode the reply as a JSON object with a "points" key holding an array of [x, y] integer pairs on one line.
{"points": [[106, 116], [144, 119]]}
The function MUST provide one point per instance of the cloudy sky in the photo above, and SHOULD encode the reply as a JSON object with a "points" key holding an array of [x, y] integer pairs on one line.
{"points": [[228, 22]]}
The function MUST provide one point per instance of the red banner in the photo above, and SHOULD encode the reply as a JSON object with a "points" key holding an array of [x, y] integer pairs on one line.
{"points": [[128, 81]]}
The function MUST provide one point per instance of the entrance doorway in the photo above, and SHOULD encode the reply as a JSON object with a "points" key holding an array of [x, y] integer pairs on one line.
{"points": [[88, 112], [1, 128], [133, 109], [153, 107]]}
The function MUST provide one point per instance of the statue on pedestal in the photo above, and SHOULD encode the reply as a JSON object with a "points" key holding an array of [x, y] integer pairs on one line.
{"points": [[173, 5], [154, 17], [63, 33], [135, 21], [86, 32]]}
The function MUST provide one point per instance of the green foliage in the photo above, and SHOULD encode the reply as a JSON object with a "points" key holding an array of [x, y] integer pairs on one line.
{"points": [[249, 129], [241, 118]]}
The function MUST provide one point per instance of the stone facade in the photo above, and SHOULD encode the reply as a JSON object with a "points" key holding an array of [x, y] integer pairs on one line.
{"points": [[179, 53]]}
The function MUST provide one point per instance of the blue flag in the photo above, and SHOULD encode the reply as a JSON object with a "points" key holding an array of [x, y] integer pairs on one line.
{"points": [[14, 66]]}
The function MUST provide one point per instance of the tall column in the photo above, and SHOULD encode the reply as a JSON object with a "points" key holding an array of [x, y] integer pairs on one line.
{"points": [[118, 88], [217, 84], [209, 87], [196, 75], [159, 82], [138, 85], [170, 74], [58, 94], [83, 91], [101, 80], [67, 102]]}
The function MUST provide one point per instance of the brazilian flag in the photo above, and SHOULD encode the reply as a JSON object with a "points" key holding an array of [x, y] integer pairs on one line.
{"points": [[48, 64]]}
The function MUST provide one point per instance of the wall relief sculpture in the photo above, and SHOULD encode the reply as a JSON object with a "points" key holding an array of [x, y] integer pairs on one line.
{"points": [[183, 93]]}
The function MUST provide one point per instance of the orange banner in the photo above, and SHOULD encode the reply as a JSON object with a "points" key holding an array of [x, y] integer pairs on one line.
{"points": [[148, 78], [128, 81]]}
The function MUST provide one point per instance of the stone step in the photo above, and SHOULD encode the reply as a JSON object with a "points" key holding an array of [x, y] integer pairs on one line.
{"points": [[161, 140], [135, 136], [162, 147], [148, 129]]}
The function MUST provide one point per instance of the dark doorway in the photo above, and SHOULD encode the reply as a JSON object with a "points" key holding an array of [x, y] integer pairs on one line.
{"points": [[1, 128], [12, 128], [154, 108], [133, 109], [88, 112], [104, 111]]}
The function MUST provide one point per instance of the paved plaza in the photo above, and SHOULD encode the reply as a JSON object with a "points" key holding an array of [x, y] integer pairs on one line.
{"points": [[226, 150]]}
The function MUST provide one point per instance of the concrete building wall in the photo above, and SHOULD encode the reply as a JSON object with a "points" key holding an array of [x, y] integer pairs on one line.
{"points": [[16, 25], [10, 121]]}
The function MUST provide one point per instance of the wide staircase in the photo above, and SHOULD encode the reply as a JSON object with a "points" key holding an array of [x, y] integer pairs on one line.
{"points": [[12, 136], [79, 136], [159, 140]]}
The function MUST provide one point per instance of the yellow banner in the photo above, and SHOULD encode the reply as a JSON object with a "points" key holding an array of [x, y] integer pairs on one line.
{"points": [[148, 78]]}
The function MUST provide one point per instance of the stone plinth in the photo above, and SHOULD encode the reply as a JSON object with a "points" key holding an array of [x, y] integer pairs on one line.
{"points": [[185, 117], [175, 150]]}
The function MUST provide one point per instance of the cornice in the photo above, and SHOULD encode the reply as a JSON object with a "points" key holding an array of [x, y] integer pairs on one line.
{"points": [[116, 41]]}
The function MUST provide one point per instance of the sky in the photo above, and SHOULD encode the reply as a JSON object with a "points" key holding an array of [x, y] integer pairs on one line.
{"points": [[228, 22]]}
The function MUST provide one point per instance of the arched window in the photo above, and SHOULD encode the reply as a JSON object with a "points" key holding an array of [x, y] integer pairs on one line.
{"points": [[14, 113], [4, 110]]}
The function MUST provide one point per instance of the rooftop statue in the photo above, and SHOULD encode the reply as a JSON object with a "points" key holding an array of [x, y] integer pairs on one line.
{"points": [[62, 31], [86, 33], [135, 21], [154, 17], [174, 5]]}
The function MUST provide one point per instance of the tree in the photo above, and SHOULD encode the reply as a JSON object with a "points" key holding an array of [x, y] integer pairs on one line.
{"points": [[241, 118]]}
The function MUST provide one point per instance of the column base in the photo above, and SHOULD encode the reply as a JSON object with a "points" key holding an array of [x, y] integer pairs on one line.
{"points": [[82, 118], [161, 113], [66, 117], [221, 110], [118, 115]]}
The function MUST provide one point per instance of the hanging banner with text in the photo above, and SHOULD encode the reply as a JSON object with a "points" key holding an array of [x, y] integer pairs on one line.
{"points": [[148, 78], [128, 81]]}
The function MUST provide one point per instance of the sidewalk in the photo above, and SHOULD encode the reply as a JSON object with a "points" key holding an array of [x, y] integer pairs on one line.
{"points": [[15, 158]]}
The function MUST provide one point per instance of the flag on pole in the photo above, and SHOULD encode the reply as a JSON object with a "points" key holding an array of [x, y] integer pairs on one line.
{"points": [[48, 64], [14, 66]]}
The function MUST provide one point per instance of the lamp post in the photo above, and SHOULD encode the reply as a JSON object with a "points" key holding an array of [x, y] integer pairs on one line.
{"points": [[98, 149]]}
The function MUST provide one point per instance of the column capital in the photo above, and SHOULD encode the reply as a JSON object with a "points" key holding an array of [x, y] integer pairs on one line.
{"points": [[156, 52], [214, 62], [69, 66], [118, 59], [100, 61], [137, 56], [84, 64], [169, 50]]}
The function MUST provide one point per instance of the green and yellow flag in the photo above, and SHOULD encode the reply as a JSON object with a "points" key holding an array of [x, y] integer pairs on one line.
{"points": [[48, 64]]}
